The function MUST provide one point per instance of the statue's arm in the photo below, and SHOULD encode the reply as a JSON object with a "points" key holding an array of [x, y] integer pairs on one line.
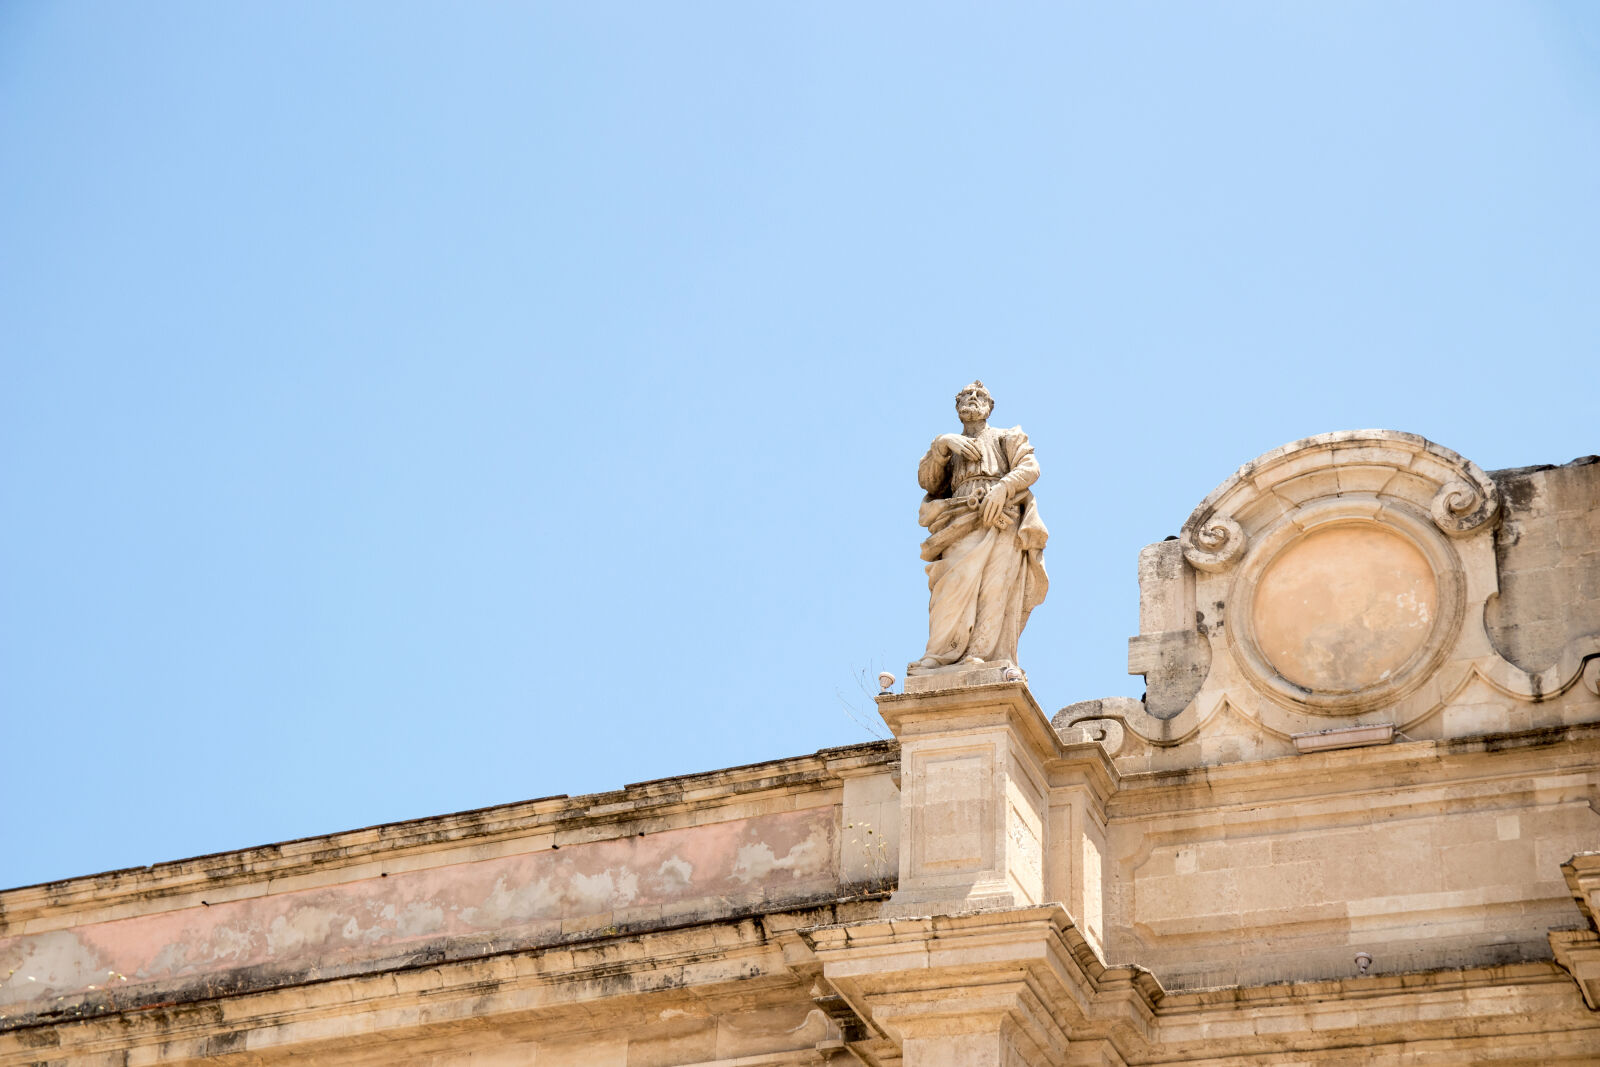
{"points": [[932, 470], [1024, 467]]}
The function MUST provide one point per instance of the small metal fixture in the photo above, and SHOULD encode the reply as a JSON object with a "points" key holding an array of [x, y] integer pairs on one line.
{"points": [[1363, 961], [885, 682], [1012, 674]]}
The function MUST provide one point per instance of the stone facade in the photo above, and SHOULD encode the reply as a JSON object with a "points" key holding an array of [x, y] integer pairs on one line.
{"points": [[1352, 821]]}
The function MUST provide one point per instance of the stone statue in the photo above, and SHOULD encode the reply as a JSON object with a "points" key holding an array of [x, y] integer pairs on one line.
{"points": [[986, 543]]}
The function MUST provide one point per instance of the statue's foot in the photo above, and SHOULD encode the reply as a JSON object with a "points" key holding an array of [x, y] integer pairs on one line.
{"points": [[972, 661], [927, 663]]}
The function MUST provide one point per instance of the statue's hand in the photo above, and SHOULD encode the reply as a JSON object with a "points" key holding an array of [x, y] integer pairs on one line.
{"points": [[959, 445], [993, 509]]}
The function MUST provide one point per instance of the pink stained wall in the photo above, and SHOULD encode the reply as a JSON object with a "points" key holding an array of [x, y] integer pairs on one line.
{"points": [[518, 900]]}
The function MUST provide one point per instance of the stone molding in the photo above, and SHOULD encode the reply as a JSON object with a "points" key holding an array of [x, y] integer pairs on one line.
{"points": [[1036, 984], [713, 847], [1356, 512], [1021, 982], [1579, 661], [488, 1003], [1025, 975], [440, 840], [1459, 495]]}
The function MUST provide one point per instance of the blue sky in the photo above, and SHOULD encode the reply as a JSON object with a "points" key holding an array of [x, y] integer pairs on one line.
{"points": [[414, 407]]}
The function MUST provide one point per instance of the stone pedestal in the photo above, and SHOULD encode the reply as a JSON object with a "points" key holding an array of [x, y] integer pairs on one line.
{"points": [[974, 809], [959, 677]]}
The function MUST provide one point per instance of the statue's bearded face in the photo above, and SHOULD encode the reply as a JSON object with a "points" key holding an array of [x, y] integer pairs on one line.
{"points": [[973, 404]]}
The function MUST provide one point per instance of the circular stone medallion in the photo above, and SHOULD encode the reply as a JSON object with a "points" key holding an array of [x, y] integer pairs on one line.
{"points": [[1344, 608]]}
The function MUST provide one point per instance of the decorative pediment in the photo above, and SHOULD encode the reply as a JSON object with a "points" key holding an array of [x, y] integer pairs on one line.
{"points": [[1336, 582]]}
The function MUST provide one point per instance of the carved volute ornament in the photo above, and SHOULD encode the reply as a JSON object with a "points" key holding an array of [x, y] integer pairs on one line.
{"points": [[985, 541], [1462, 506], [1211, 543]]}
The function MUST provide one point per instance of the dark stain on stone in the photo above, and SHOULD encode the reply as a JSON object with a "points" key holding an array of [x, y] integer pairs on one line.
{"points": [[1542, 737], [233, 1041], [39, 1039], [1518, 493]]}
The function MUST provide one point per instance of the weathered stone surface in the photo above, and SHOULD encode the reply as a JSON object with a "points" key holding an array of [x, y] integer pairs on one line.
{"points": [[1100, 721], [540, 897], [1548, 558], [1171, 649], [1345, 608], [550, 873], [1424, 854]]}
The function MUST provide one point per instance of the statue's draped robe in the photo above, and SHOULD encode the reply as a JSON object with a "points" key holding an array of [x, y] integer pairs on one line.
{"points": [[982, 581]]}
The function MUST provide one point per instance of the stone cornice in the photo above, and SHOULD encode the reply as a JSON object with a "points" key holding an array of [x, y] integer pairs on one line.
{"points": [[1085, 763], [907, 969], [1357, 771], [553, 987], [1028, 965], [1064, 763], [561, 818], [904, 711], [1034, 959]]}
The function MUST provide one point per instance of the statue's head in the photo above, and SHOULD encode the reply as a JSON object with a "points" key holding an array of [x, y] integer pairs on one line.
{"points": [[974, 402]]}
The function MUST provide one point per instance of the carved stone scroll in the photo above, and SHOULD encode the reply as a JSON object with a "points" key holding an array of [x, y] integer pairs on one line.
{"points": [[1213, 543], [1462, 506]]}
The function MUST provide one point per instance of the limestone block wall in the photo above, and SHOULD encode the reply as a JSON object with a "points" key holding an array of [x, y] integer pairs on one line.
{"points": [[1371, 718], [1422, 855], [1547, 554]]}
